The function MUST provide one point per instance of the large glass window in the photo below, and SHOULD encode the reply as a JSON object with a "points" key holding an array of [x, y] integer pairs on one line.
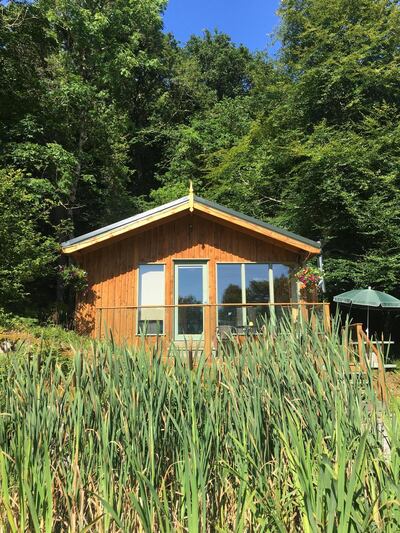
{"points": [[257, 283], [250, 283], [257, 291], [229, 292], [282, 283], [151, 294], [282, 289]]}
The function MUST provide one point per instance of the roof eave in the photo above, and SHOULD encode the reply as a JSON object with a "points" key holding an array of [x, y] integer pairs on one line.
{"points": [[125, 226], [260, 227]]}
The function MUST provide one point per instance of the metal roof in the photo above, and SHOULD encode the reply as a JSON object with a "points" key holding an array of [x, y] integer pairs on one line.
{"points": [[126, 221], [181, 201], [256, 221]]}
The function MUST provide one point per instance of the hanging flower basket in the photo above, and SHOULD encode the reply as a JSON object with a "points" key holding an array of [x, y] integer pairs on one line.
{"points": [[309, 277], [73, 277]]}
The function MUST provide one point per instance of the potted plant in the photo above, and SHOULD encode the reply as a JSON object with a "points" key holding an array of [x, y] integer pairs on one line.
{"points": [[309, 278]]}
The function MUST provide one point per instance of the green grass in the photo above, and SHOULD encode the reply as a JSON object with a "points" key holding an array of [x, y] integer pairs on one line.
{"points": [[278, 437]]}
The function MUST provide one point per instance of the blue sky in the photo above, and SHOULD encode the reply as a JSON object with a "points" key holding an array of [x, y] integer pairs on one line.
{"points": [[249, 22]]}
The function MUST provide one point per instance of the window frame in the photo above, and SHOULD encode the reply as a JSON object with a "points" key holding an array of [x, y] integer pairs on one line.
{"points": [[138, 308]]}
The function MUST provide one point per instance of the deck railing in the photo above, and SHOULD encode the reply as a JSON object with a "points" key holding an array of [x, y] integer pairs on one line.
{"points": [[123, 321], [365, 355]]}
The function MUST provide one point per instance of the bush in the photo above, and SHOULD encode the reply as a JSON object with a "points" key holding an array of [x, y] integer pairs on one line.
{"points": [[9, 322]]}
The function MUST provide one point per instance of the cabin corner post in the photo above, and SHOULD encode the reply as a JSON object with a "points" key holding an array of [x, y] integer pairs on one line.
{"points": [[212, 309], [169, 302]]}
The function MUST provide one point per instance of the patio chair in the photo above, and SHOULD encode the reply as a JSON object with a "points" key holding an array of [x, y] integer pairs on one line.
{"points": [[226, 335]]}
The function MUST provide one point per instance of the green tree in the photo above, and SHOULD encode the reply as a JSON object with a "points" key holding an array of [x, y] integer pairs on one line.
{"points": [[26, 256], [93, 63], [75, 82], [193, 149], [343, 57], [102, 114], [343, 184], [223, 89], [223, 67], [322, 158]]}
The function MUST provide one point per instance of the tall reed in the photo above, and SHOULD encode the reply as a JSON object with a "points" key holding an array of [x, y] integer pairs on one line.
{"points": [[277, 436]]}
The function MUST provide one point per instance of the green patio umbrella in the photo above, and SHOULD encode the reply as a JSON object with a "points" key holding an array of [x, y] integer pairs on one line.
{"points": [[367, 298]]}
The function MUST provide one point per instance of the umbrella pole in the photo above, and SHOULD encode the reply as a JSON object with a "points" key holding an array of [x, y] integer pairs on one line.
{"points": [[368, 322]]}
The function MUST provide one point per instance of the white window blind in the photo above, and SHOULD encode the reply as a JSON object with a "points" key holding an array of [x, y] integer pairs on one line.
{"points": [[152, 293]]}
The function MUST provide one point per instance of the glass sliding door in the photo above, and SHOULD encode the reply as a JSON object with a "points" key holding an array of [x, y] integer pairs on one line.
{"points": [[190, 292]]}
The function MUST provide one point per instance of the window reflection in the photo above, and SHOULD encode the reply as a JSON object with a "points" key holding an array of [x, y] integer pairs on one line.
{"points": [[257, 284], [281, 283], [257, 291], [229, 292], [190, 291]]}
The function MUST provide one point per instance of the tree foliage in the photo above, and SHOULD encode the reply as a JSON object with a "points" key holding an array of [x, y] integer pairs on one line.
{"points": [[26, 255], [103, 115]]}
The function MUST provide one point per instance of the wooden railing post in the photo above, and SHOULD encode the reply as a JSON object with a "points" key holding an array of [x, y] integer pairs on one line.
{"points": [[346, 340], [207, 332], [313, 319], [360, 348], [382, 392], [327, 317], [304, 311], [366, 348]]}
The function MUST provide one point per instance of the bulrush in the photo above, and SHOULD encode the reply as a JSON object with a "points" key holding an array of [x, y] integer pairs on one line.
{"points": [[278, 436]]}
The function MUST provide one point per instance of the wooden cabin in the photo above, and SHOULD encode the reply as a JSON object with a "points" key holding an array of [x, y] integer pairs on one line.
{"points": [[187, 272]]}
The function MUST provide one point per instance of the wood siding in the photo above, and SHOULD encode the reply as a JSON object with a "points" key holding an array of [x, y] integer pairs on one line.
{"points": [[113, 268]]}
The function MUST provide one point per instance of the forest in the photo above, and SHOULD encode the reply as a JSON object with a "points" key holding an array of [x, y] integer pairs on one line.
{"points": [[104, 115]]}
